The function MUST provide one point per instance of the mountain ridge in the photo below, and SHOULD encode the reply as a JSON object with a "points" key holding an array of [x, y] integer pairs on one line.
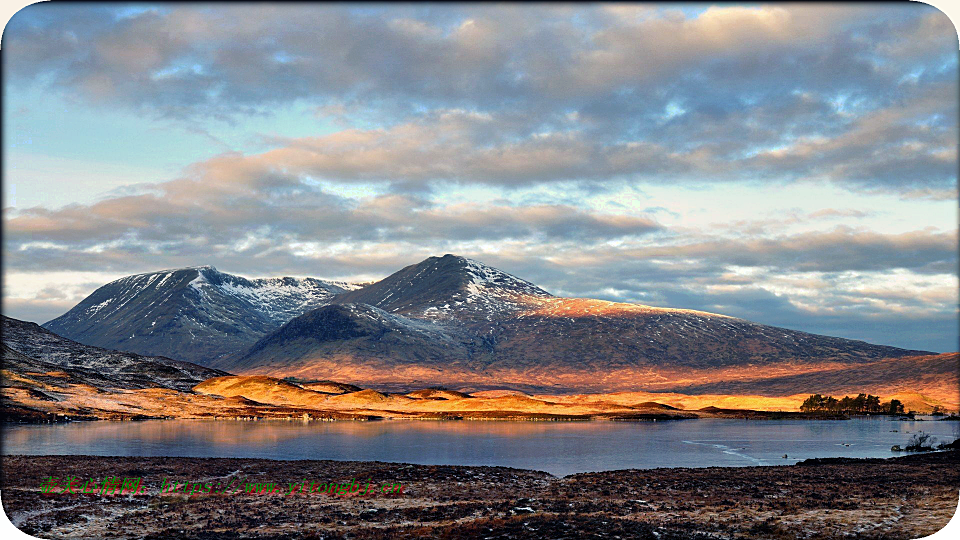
{"points": [[195, 313], [452, 330]]}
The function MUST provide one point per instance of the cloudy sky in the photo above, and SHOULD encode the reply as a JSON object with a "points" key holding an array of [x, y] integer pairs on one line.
{"points": [[790, 164]]}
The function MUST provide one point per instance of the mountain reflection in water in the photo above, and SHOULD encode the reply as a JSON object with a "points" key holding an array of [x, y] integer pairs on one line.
{"points": [[557, 447]]}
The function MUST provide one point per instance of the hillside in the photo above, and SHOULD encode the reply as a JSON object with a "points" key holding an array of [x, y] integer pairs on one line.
{"points": [[30, 348], [46, 377]]}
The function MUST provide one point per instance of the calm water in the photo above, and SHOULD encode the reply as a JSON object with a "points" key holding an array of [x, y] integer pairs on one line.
{"points": [[560, 448]]}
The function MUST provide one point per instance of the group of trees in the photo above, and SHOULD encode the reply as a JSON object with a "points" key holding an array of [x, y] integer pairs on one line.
{"points": [[862, 404]]}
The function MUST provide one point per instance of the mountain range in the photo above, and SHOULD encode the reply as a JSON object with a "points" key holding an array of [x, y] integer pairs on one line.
{"points": [[49, 378], [446, 320]]}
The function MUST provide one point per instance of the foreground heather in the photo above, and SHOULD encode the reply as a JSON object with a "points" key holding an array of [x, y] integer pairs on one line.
{"points": [[906, 497]]}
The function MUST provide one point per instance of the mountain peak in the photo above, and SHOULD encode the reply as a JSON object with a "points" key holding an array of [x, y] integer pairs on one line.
{"points": [[200, 268], [204, 268], [439, 286], [484, 275]]}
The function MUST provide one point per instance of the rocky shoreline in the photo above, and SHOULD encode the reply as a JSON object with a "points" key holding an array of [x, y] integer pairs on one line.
{"points": [[903, 497]]}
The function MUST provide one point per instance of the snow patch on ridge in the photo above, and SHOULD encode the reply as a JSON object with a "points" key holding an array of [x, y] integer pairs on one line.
{"points": [[483, 278], [490, 292]]}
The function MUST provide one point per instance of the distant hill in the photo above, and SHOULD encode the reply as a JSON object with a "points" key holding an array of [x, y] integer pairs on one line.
{"points": [[197, 314], [30, 350]]}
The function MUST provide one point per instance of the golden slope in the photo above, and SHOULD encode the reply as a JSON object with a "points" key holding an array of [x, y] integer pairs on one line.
{"points": [[262, 390]]}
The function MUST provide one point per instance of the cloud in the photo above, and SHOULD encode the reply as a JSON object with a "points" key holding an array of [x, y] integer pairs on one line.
{"points": [[509, 95], [905, 146], [460, 146], [196, 59], [837, 250], [38, 311], [828, 213], [188, 217]]}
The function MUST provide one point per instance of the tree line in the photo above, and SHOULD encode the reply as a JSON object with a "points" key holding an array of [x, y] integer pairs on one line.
{"points": [[863, 404]]}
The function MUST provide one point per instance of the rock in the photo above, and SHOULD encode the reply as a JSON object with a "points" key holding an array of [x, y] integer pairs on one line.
{"points": [[521, 510]]}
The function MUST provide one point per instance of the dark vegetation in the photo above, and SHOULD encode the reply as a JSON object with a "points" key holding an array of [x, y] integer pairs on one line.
{"points": [[924, 442], [921, 442], [862, 404], [820, 498]]}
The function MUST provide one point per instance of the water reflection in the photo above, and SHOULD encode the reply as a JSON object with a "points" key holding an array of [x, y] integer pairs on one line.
{"points": [[556, 447]]}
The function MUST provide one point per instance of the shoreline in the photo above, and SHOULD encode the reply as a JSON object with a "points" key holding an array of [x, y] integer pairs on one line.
{"points": [[498, 416], [318, 415], [902, 455], [898, 497]]}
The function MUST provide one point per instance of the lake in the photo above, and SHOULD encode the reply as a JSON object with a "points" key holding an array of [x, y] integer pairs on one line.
{"points": [[559, 448]]}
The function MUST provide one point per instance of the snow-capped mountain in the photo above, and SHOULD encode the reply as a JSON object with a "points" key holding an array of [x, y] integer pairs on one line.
{"points": [[196, 314], [451, 320], [36, 352], [448, 287]]}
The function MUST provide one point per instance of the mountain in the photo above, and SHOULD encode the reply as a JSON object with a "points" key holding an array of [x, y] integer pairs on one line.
{"points": [[352, 334], [454, 321], [31, 350], [427, 313], [196, 314], [448, 287]]}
